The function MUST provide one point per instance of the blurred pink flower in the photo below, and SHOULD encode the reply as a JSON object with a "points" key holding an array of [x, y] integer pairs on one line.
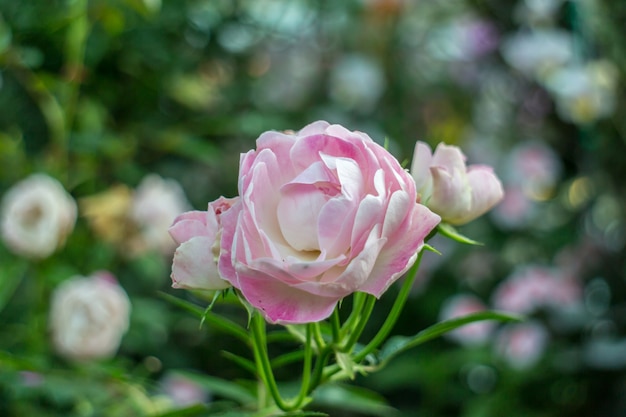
{"points": [[198, 235], [37, 215], [535, 167], [458, 193], [183, 391], [521, 345], [462, 305], [89, 316], [533, 287], [323, 213], [515, 210]]}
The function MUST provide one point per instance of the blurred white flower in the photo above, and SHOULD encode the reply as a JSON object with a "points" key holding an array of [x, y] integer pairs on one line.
{"points": [[156, 203], [37, 216], [539, 52], [89, 316], [461, 305], [584, 93], [462, 39], [357, 82], [522, 345]]}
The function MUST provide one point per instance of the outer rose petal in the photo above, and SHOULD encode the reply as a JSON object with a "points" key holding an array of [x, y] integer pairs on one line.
{"points": [[487, 189], [400, 253], [188, 225], [420, 170], [281, 303], [194, 266]]}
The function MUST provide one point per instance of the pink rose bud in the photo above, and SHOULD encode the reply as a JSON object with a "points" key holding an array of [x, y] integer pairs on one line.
{"points": [[36, 216], [198, 235], [324, 212], [459, 194], [89, 316]]}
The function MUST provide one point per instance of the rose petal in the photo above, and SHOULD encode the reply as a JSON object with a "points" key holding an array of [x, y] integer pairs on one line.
{"points": [[194, 266]]}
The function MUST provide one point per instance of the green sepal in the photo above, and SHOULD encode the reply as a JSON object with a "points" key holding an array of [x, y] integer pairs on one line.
{"points": [[450, 232], [430, 249], [249, 308], [210, 306]]}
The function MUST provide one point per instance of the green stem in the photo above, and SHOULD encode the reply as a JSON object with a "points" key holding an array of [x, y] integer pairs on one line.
{"points": [[398, 305], [358, 299], [306, 368], [360, 324], [259, 343], [319, 339], [335, 325], [320, 365], [261, 358]]}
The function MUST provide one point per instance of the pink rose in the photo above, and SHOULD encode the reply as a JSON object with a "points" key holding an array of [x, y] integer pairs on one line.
{"points": [[459, 194], [198, 236], [323, 213]]}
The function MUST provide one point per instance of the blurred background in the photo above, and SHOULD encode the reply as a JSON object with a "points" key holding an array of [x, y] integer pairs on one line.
{"points": [[139, 110]]}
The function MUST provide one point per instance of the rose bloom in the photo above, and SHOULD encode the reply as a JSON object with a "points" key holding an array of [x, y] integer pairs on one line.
{"points": [[458, 193], [89, 316], [322, 213], [37, 215], [155, 205]]}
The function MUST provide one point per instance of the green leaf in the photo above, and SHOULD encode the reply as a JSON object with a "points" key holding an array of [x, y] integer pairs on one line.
{"points": [[346, 363], [221, 387], [398, 344], [241, 361], [192, 411], [450, 232], [352, 398]]}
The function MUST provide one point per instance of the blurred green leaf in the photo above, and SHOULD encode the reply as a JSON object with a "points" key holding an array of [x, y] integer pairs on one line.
{"points": [[398, 344], [221, 387], [217, 321], [12, 274], [351, 398]]}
